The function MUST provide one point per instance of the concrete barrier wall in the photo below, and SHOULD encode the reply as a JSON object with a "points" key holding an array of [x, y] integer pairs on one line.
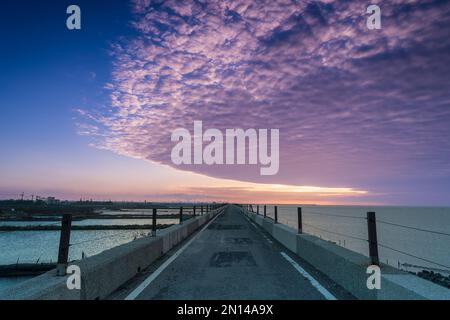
{"points": [[104, 273], [47, 286], [348, 268], [267, 225], [345, 267], [258, 219], [284, 235]]}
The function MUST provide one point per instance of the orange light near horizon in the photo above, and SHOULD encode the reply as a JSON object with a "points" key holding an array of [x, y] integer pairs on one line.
{"points": [[247, 192], [129, 179]]}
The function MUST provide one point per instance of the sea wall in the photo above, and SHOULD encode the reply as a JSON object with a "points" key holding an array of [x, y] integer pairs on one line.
{"points": [[104, 273], [348, 268]]}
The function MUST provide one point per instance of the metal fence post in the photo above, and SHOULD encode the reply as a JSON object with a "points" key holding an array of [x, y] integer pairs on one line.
{"points": [[257, 209], [373, 243], [194, 210], [299, 220], [201, 210], [64, 243], [265, 211], [181, 215], [276, 214], [154, 222]]}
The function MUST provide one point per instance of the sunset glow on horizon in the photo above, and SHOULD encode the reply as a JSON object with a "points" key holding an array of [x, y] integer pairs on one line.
{"points": [[127, 179]]}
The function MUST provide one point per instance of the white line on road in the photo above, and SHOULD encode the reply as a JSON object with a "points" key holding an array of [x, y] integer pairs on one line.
{"points": [[313, 281], [136, 292], [267, 238], [254, 225]]}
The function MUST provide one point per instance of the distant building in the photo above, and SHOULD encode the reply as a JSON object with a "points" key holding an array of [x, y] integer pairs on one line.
{"points": [[52, 200]]}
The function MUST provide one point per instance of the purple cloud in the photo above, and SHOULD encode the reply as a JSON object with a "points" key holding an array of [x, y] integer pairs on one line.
{"points": [[355, 107]]}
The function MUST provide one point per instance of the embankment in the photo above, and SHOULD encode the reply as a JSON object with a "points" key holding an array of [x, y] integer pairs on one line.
{"points": [[106, 272], [348, 268]]}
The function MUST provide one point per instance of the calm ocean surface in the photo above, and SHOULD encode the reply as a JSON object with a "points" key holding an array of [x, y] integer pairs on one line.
{"points": [[350, 221]]}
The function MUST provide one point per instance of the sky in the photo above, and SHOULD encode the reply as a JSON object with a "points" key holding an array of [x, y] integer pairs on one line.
{"points": [[363, 115]]}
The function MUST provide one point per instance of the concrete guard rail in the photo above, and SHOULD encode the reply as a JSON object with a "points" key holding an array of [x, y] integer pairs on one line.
{"points": [[104, 273], [348, 268]]}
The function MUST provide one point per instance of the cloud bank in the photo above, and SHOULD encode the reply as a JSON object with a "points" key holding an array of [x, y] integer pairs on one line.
{"points": [[355, 107]]}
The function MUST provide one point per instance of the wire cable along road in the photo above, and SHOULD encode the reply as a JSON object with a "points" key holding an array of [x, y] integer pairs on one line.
{"points": [[231, 258]]}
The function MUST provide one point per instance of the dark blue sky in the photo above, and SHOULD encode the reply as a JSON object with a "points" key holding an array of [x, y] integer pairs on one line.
{"points": [[47, 70]]}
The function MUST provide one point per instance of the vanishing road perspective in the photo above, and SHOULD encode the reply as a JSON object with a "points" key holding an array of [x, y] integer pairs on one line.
{"points": [[232, 258], [228, 252], [224, 150]]}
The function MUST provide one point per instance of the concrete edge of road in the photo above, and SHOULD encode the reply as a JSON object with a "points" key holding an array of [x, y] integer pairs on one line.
{"points": [[348, 268], [104, 273], [136, 286], [179, 250]]}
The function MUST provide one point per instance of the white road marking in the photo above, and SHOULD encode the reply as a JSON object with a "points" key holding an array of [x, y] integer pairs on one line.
{"points": [[254, 225], [267, 238], [302, 271], [136, 292], [313, 281]]}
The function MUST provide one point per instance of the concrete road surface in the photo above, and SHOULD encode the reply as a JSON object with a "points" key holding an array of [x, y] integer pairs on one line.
{"points": [[232, 258]]}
